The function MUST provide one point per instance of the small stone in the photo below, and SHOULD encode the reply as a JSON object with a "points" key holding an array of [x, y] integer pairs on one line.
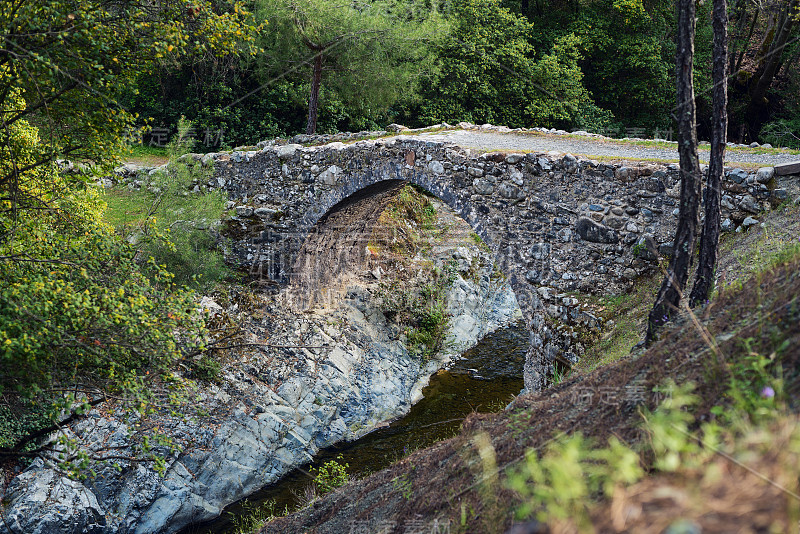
{"points": [[748, 203], [287, 151], [331, 175], [727, 202], [514, 158], [618, 211], [727, 225], [596, 207], [593, 232], [737, 175], [507, 190], [646, 248], [754, 145], [749, 221], [264, 212], [244, 211], [482, 186], [545, 164], [570, 162], [676, 212], [436, 167], [765, 174], [475, 171]]}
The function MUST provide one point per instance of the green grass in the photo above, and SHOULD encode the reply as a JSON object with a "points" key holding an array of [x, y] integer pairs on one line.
{"points": [[126, 208], [760, 248], [628, 311], [146, 155], [744, 255], [172, 225]]}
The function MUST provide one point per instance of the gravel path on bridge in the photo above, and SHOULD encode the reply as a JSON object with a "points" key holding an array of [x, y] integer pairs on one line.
{"points": [[589, 147]]}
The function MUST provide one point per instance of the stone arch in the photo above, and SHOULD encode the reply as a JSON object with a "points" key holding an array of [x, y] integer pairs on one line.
{"points": [[554, 223], [332, 231]]}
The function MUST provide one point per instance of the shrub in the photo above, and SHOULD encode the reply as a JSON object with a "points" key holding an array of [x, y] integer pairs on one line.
{"points": [[80, 319], [173, 222], [331, 475]]}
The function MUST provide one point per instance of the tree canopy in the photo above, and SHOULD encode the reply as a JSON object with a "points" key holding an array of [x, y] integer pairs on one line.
{"points": [[368, 53], [490, 73], [83, 318]]}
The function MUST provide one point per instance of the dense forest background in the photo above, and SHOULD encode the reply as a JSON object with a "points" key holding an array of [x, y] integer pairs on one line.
{"points": [[600, 65]]}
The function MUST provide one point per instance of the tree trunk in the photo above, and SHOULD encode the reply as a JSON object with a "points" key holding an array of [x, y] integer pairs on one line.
{"points": [[672, 287], [768, 67], [745, 42], [709, 239], [313, 101]]}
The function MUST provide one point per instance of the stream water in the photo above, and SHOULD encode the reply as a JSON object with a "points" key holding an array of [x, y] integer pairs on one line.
{"points": [[485, 379]]}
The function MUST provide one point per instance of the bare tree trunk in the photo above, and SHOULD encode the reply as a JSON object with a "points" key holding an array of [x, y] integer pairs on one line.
{"points": [[768, 67], [313, 101], [744, 43], [709, 240], [672, 287]]}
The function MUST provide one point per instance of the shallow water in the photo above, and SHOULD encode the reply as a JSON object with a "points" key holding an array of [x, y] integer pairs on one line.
{"points": [[485, 379]]}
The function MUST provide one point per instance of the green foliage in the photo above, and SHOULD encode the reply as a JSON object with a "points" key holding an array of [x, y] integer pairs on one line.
{"points": [[565, 480], [489, 74], [205, 368], [558, 374], [424, 314], [16, 422], [404, 486], [415, 206], [755, 387], [782, 132], [252, 516], [173, 223], [626, 55], [668, 426], [73, 61], [331, 475], [80, 319], [405, 222], [562, 482], [382, 46]]}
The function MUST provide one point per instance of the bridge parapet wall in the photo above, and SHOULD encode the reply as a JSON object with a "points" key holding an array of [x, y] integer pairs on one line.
{"points": [[573, 224]]}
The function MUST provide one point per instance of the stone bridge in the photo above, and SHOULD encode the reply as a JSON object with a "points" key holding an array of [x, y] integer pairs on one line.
{"points": [[558, 225]]}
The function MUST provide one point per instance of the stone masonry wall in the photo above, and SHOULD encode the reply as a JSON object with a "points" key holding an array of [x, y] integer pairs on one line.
{"points": [[555, 223]]}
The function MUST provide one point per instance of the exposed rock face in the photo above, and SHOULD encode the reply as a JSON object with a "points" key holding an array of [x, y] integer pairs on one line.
{"points": [[330, 373]]}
